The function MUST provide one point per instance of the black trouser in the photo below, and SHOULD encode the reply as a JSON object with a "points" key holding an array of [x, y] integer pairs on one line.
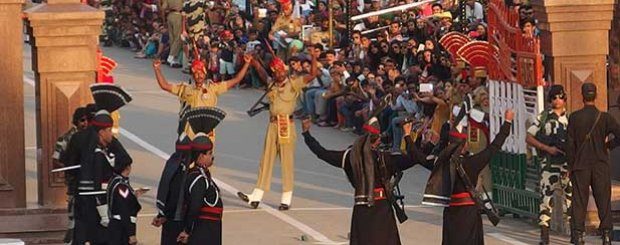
{"points": [[170, 232], [599, 179]]}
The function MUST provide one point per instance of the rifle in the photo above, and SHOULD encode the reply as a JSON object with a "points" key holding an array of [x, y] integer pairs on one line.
{"points": [[485, 205], [254, 110], [396, 198]]}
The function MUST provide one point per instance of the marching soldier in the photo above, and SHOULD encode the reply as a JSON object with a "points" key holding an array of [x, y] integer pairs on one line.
{"points": [[203, 220], [124, 206], [203, 93], [548, 135], [170, 193], [462, 222], [283, 93], [80, 123], [373, 217], [588, 163]]}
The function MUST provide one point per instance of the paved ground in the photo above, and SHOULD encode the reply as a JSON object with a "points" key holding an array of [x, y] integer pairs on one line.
{"points": [[322, 202]]}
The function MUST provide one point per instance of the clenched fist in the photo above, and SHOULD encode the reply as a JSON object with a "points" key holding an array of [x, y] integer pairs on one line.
{"points": [[156, 64], [509, 115], [305, 125]]}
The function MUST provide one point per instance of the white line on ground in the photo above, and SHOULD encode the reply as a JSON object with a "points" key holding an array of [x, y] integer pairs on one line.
{"points": [[506, 239], [232, 190]]}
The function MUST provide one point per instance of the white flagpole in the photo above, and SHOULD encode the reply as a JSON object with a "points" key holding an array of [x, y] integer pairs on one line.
{"points": [[389, 10]]}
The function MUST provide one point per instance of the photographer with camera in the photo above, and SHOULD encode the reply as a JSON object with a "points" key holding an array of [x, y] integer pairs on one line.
{"points": [[406, 109]]}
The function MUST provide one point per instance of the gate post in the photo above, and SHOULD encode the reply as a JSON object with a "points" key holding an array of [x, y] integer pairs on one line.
{"points": [[563, 38]]}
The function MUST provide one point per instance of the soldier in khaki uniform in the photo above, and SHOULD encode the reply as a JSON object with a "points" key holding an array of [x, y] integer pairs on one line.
{"points": [[171, 14], [281, 135], [287, 24], [202, 93]]}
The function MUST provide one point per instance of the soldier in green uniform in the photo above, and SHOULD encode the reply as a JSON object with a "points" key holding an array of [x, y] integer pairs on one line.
{"points": [[548, 135]]}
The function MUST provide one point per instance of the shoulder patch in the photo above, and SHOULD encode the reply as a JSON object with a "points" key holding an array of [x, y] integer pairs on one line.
{"points": [[123, 191]]}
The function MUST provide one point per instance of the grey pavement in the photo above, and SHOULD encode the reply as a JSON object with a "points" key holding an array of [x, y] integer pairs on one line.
{"points": [[321, 208]]}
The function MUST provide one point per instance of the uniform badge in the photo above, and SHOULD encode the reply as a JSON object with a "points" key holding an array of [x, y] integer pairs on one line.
{"points": [[124, 193]]}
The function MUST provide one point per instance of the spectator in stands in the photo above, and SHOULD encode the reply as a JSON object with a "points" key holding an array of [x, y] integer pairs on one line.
{"points": [[474, 11]]}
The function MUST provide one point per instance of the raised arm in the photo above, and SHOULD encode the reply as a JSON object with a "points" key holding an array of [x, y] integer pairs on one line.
{"points": [[334, 158], [161, 80], [262, 73], [241, 74], [482, 159]]}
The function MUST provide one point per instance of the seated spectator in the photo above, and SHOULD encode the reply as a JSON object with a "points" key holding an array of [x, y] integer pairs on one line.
{"points": [[352, 105]]}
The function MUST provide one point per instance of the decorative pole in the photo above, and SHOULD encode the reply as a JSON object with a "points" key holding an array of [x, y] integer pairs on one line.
{"points": [[331, 24]]}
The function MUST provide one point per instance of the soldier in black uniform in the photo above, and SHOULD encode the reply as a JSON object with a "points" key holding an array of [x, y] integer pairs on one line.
{"points": [[96, 151], [80, 123], [124, 206], [170, 193], [203, 220], [588, 163], [462, 222], [369, 170]]}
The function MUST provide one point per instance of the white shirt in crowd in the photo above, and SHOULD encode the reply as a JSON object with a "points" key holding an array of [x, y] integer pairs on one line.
{"points": [[477, 13]]}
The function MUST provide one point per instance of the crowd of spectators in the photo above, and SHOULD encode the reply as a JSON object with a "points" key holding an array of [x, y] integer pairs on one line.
{"points": [[397, 53]]}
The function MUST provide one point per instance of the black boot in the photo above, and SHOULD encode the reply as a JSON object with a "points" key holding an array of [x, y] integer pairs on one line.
{"points": [[245, 198], [578, 238], [606, 237], [544, 235]]}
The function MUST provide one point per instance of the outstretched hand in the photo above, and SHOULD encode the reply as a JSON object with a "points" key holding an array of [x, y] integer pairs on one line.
{"points": [[305, 125]]}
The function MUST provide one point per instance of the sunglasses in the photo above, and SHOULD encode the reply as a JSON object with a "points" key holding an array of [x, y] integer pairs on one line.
{"points": [[562, 97], [395, 47], [84, 119], [384, 46]]}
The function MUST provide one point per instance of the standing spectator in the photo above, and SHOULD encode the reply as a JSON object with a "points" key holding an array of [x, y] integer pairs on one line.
{"points": [[172, 14], [227, 47]]}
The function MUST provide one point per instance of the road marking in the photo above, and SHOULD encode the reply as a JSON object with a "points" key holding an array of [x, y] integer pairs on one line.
{"points": [[232, 190], [506, 239]]}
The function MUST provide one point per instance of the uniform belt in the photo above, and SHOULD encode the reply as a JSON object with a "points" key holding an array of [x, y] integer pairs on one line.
{"points": [[211, 213], [133, 219], [275, 118], [461, 199], [379, 194]]}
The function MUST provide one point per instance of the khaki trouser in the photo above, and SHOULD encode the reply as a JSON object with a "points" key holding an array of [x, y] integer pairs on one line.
{"points": [[174, 29], [272, 149]]}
